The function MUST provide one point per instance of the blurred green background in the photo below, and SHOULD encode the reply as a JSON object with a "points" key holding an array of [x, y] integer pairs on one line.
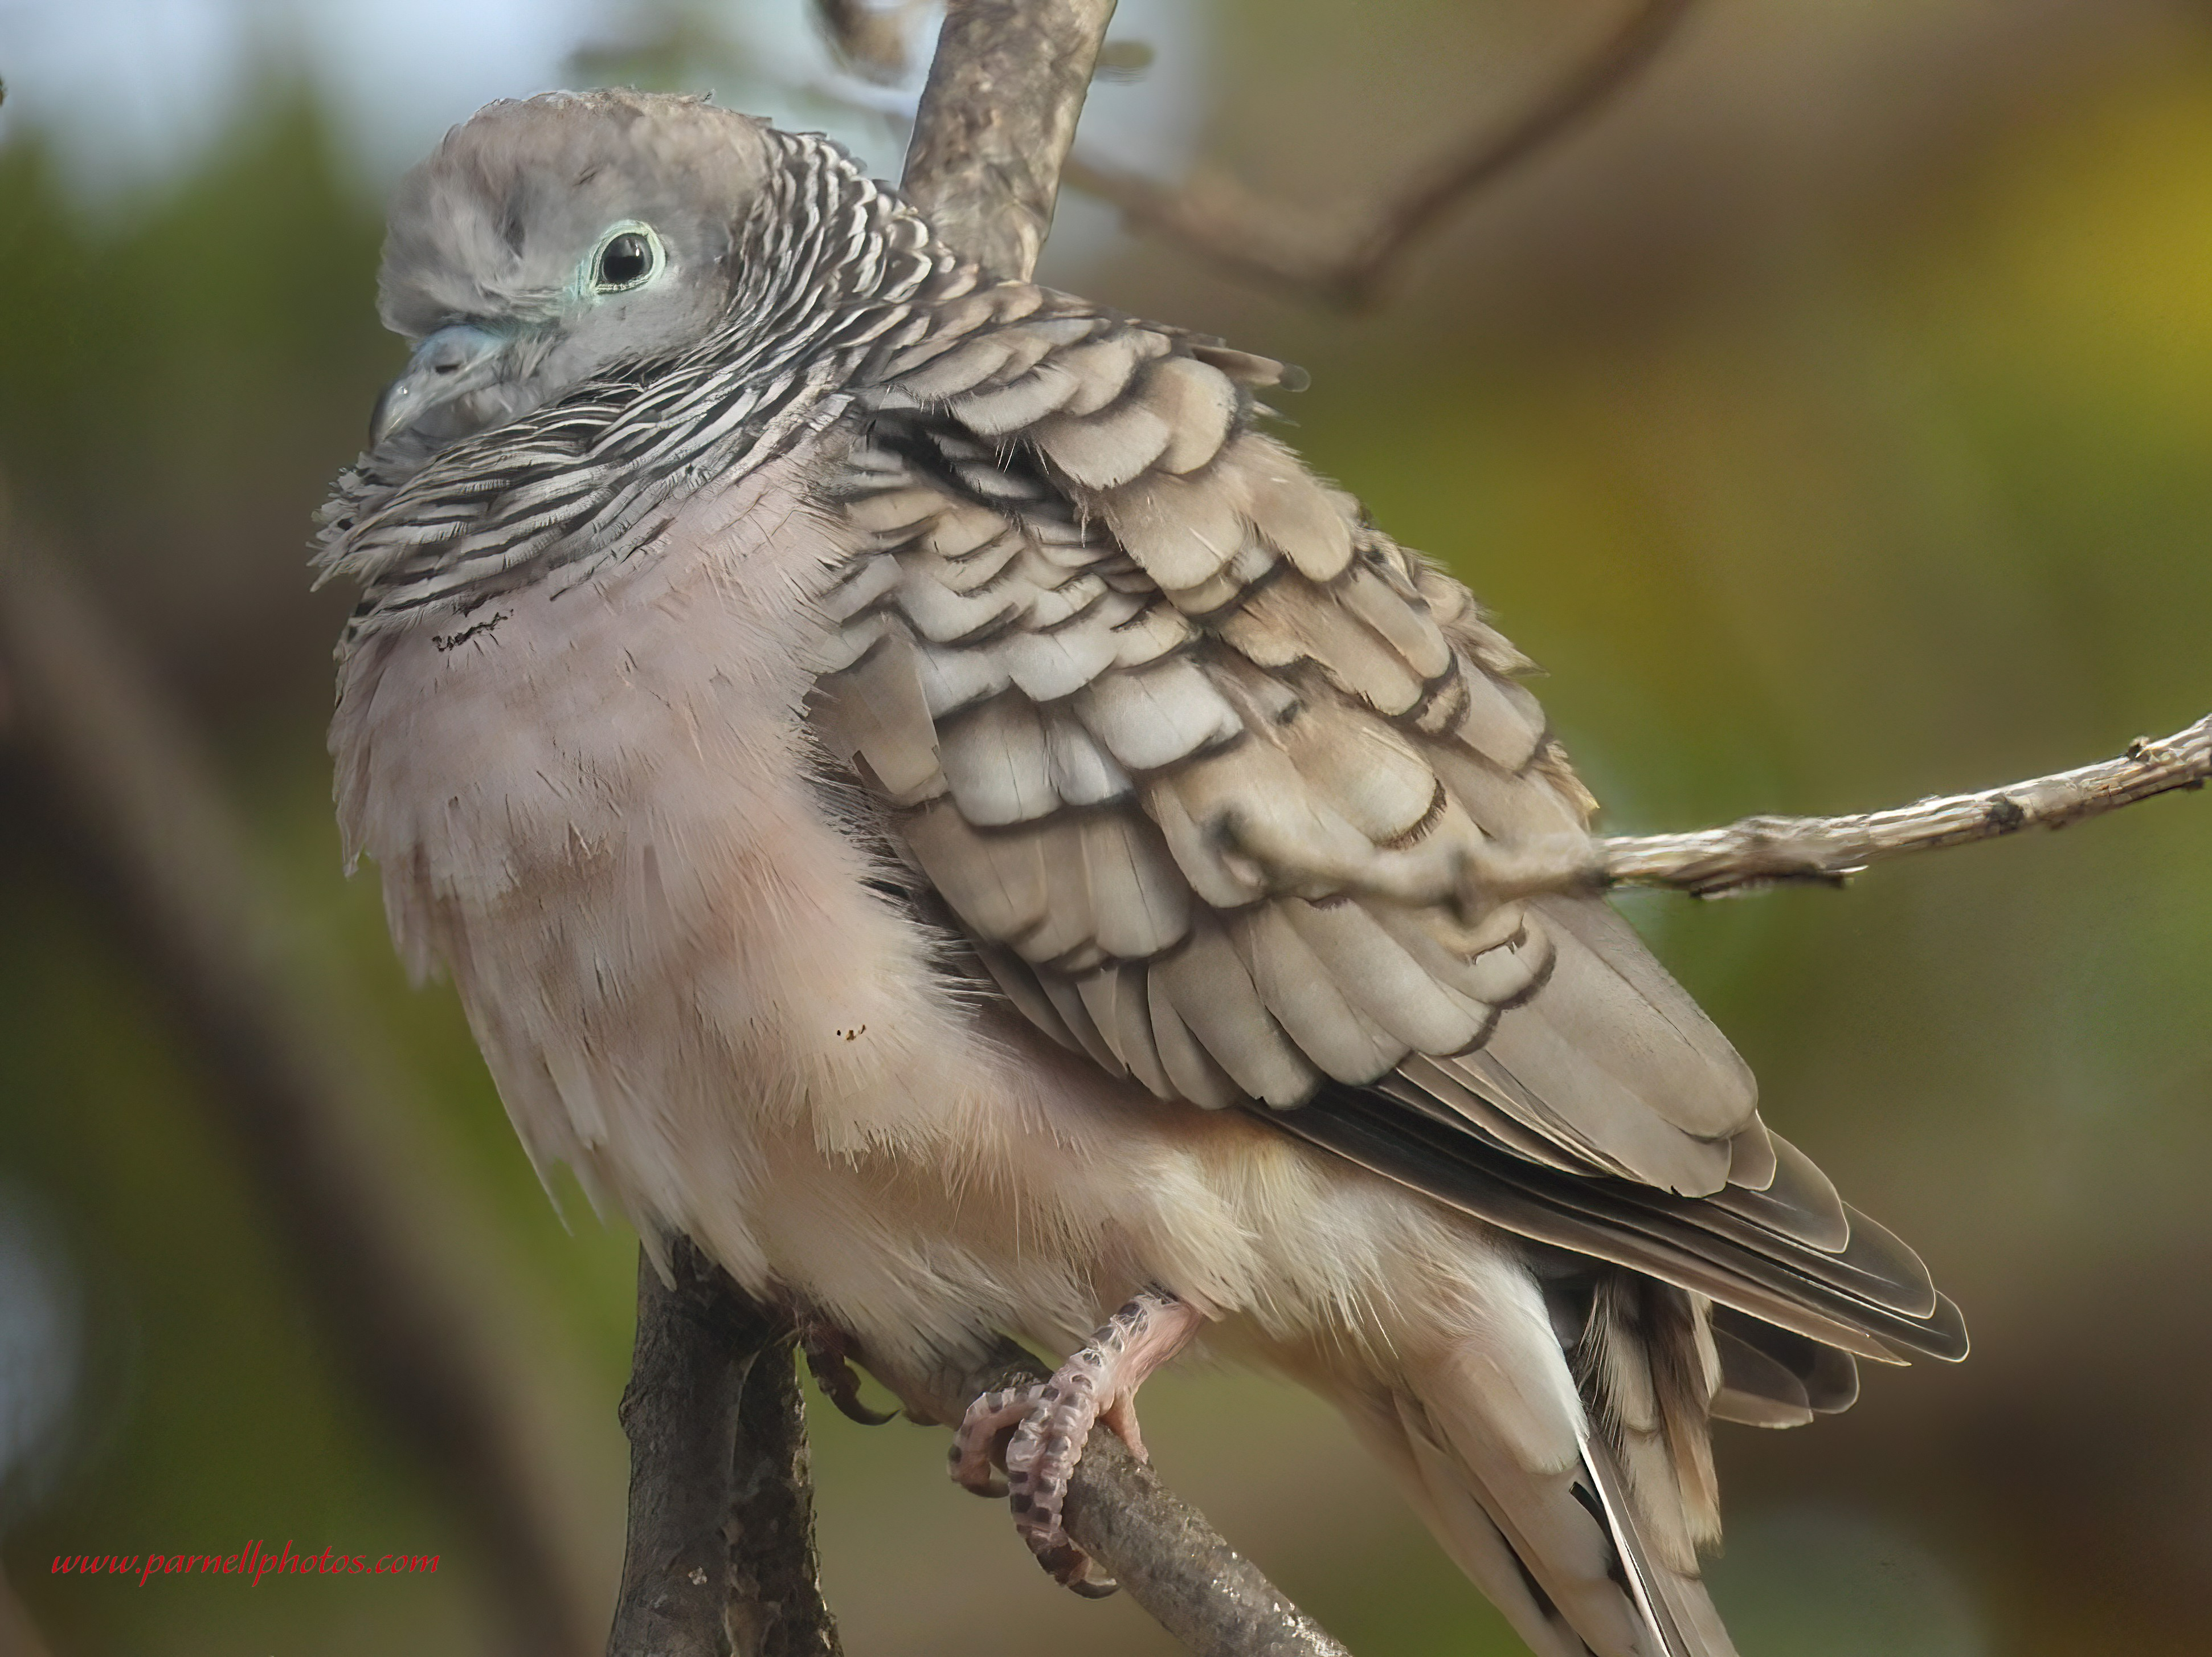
{"points": [[1834, 420]]}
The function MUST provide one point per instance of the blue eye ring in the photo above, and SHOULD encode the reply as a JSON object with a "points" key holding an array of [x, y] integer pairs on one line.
{"points": [[629, 256]]}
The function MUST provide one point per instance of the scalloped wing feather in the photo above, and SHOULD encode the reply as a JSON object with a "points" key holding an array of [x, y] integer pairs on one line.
{"points": [[1095, 592], [1194, 752]]}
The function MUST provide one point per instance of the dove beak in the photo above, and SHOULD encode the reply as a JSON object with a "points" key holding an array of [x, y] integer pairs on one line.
{"points": [[451, 387]]}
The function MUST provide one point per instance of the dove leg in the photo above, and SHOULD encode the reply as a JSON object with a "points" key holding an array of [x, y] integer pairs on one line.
{"points": [[1045, 1425]]}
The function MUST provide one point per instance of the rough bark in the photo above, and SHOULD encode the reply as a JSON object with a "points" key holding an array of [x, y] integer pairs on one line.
{"points": [[997, 117], [721, 1560]]}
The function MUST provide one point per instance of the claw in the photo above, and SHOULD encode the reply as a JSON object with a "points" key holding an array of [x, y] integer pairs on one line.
{"points": [[1038, 1431], [830, 1361]]}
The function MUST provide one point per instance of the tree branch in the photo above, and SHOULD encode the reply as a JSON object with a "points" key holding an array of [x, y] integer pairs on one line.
{"points": [[996, 120], [162, 852], [1763, 851], [997, 116], [1312, 253], [1157, 1545], [721, 1561]]}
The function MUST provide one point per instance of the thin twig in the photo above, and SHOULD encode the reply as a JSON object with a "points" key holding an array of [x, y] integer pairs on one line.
{"points": [[1312, 253], [163, 852], [997, 116], [1761, 851], [721, 1561]]}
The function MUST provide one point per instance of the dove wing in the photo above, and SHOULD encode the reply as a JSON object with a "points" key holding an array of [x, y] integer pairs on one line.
{"points": [[1193, 753]]}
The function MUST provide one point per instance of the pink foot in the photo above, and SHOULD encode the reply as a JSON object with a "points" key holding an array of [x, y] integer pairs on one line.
{"points": [[1043, 1427]]}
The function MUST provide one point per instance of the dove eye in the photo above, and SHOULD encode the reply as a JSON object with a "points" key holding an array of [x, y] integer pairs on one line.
{"points": [[628, 258]]}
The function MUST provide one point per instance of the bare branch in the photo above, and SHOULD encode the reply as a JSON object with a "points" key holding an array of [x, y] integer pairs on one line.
{"points": [[1287, 246], [1762, 851], [1159, 1548], [721, 1558], [996, 118], [162, 850], [721, 1523], [995, 122], [706, 1571]]}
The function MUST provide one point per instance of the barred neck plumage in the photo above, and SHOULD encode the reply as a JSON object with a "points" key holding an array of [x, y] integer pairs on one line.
{"points": [[834, 268]]}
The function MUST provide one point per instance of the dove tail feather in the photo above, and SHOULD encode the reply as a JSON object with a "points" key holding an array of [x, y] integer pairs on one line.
{"points": [[1539, 1451], [1436, 1485], [1677, 1615]]}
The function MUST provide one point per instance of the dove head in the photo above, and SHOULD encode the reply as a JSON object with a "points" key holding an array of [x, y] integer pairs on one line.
{"points": [[547, 240]]}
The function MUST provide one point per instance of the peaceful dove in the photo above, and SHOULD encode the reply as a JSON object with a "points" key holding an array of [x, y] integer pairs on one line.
{"points": [[919, 793]]}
